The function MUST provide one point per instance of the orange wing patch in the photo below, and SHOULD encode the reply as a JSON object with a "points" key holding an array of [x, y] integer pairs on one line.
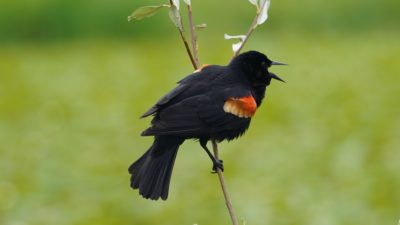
{"points": [[201, 68], [242, 107]]}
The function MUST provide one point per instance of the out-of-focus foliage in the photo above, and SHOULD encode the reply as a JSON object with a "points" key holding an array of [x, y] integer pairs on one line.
{"points": [[235, 46], [49, 20], [145, 11], [263, 14], [323, 149]]}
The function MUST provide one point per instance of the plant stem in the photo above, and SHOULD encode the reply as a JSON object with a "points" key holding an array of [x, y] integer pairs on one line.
{"points": [[194, 37], [188, 49], [195, 63], [186, 43], [249, 32], [228, 201], [251, 29]]}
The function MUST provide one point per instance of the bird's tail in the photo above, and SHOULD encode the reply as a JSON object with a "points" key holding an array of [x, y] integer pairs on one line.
{"points": [[151, 173]]}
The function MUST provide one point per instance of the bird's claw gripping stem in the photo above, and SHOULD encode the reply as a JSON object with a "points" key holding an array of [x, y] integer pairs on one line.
{"points": [[217, 164]]}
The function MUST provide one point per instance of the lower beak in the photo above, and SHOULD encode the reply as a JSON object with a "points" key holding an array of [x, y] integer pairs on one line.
{"points": [[278, 64], [274, 76]]}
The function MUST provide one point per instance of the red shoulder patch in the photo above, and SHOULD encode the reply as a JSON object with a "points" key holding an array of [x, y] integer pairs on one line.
{"points": [[244, 107]]}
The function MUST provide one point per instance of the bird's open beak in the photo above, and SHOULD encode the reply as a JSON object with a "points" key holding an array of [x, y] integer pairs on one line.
{"points": [[274, 76], [278, 64]]}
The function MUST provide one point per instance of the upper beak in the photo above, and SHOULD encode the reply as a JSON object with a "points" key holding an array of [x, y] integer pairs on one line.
{"points": [[278, 63], [274, 76]]}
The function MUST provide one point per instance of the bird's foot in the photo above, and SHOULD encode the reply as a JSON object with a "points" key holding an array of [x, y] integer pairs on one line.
{"points": [[218, 164]]}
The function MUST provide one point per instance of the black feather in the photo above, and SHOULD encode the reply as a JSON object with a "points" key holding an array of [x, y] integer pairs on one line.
{"points": [[151, 173], [195, 109]]}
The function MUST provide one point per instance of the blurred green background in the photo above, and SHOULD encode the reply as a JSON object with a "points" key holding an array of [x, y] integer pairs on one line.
{"points": [[322, 150]]}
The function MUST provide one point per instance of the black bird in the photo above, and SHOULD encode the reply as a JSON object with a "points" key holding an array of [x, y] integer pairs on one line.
{"points": [[215, 102]]}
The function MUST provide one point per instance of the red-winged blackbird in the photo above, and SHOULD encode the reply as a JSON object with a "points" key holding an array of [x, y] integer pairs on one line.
{"points": [[215, 102]]}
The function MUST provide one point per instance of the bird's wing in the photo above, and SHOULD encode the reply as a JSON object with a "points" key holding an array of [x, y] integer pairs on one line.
{"points": [[216, 110], [165, 99], [179, 118], [193, 81]]}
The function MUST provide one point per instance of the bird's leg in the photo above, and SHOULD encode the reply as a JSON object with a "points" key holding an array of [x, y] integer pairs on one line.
{"points": [[217, 164]]}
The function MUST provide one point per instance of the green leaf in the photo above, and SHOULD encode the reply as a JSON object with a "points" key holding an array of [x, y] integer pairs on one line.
{"points": [[176, 3], [254, 2], [241, 37], [201, 26], [175, 17], [263, 16], [145, 11], [236, 46]]}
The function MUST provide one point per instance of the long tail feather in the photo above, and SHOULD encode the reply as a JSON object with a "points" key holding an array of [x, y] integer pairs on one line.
{"points": [[151, 173]]}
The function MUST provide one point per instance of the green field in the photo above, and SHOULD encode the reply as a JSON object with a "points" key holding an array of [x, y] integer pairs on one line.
{"points": [[324, 148]]}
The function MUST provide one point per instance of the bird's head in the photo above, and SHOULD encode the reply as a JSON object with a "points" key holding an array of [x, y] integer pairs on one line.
{"points": [[254, 66]]}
